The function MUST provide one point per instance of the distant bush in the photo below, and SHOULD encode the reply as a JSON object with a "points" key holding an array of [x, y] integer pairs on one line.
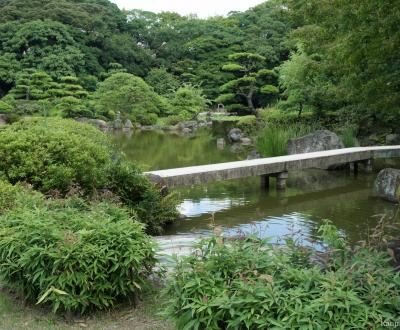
{"points": [[5, 107], [129, 95], [188, 101], [54, 154], [74, 255], [252, 284]]}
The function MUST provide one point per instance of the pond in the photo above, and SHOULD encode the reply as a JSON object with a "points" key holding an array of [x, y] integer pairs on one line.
{"points": [[241, 206]]}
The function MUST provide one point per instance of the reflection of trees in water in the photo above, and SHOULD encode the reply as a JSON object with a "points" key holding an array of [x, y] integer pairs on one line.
{"points": [[160, 150], [351, 207]]}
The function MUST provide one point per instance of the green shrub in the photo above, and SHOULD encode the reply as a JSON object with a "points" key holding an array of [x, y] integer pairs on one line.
{"points": [[129, 95], [136, 192], [8, 196], [52, 153], [5, 107], [73, 255], [273, 139], [60, 154], [188, 101], [252, 284], [172, 120]]}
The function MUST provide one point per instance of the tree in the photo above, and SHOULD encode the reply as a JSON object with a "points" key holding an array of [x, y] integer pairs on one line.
{"points": [[250, 79], [33, 85], [162, 81], [129, 95], [188, 101], [355, 44]]}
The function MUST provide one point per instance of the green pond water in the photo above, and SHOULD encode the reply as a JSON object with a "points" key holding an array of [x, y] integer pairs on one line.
{"points": [[241, 206]]}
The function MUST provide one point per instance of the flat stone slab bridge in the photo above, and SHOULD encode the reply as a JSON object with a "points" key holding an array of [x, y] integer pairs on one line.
{"points": [[274, 166]]}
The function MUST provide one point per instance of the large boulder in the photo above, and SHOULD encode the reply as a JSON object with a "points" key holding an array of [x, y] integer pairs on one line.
{"points": [[235, 135], [317, 141], [387, 185], [392, 139]]}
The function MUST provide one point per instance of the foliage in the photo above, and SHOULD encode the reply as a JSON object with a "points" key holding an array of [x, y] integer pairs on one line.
{"points": [[188, 101], [54, 154], [59, 154], [250, 79], [249, 283], [273, 139], [351, 48], [85, 255], [129, 95], [348, 136], [136, 192], [5, 107], [163, 82]]}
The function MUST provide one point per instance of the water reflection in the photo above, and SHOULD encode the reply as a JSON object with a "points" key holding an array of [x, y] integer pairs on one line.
{"points": [[240, 205]]}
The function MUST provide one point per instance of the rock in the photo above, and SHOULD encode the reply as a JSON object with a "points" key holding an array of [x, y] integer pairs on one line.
{"points": [[254, 154], [392, 139], [128, 125], [117, 124], [235, 134], [187, 131], [387, 185], [236, 148], [246, 141], [3, 119], [317, 141], [221, 143], [100, 124], [192, 124]]}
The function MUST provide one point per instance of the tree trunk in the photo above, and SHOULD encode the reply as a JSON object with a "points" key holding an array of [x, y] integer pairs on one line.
{"points": [[250, 104], [300, 108]]}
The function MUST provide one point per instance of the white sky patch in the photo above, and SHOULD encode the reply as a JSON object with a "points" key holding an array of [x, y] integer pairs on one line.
{"points": [[203, 8]]}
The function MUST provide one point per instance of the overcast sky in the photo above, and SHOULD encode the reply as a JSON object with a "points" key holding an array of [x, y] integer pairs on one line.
{"points": [[203, 8]]}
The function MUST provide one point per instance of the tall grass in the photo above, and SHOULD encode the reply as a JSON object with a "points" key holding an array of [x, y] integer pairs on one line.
{"points": [[348, 137], [273, 139]]}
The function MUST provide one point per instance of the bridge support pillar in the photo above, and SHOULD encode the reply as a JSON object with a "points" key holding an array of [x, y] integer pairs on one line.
{"points": [[281, 179], [354, 167], [264, 180], [369, 165]]}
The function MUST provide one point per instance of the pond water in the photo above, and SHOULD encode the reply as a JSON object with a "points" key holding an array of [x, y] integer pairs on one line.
{"points": [[241, 206]]}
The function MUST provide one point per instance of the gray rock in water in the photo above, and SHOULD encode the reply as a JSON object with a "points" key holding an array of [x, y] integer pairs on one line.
{"points": [[392, 139], [235, 135], [128, 125], [221, 143], [387, 185], [246, 141], [254, 154], [187, 130], [317, 141]]}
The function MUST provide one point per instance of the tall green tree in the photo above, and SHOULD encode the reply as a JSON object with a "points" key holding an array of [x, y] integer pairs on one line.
{"points": [[250, 79]]}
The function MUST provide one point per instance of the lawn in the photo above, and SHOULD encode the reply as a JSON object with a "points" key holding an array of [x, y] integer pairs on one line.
{"points": [[15, 315]]}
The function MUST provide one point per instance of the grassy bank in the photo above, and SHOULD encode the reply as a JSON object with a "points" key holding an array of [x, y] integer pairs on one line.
{"points": [[15, 315]]}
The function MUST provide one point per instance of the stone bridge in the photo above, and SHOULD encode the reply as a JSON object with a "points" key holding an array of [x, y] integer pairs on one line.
{"points": [[274, 166]]}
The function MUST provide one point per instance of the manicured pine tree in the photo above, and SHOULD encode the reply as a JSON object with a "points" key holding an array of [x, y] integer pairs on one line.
{"points": [[250, 79]]}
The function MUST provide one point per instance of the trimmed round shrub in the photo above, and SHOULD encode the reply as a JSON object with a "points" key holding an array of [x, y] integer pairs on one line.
{"points": [[74, 255], [64, 155], [52, 153], [249, 283]]}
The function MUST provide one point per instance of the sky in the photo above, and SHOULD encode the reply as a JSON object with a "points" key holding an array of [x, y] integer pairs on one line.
{"points": [[203, 8]]}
